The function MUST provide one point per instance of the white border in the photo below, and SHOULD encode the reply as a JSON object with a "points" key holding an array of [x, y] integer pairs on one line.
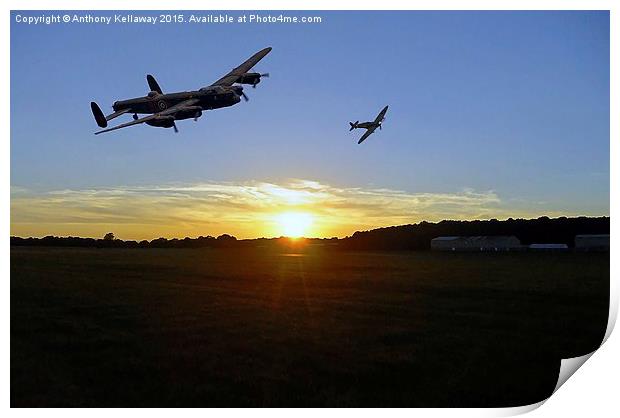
{"points": [[592, 391]]}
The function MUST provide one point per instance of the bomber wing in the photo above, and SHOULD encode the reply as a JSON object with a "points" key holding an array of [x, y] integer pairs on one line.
{"points": [[232, 77], [367, 134], [168, 112]]}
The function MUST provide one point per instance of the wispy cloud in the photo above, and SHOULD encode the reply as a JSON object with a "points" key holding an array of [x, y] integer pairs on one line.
{"points": [[246, 209]]}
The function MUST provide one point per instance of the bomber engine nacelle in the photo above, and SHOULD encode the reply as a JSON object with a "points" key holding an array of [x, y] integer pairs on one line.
{"points": [[162, 122], [251, 78], [189, 112]]}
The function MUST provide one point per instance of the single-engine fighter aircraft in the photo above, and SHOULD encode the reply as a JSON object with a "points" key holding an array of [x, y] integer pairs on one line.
{"points": [[369, 126], [165, 109]]}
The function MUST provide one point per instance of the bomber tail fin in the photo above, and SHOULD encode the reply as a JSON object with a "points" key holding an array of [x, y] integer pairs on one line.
{"points": [[153, 85], [98, 114]]}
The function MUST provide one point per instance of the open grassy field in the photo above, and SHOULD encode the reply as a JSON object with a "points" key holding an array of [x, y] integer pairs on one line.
{"points": [[260, 327]]}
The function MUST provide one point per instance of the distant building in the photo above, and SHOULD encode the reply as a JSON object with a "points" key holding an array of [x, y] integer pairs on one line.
{"points": [[592, 242], [548, 247], [476, 243]]}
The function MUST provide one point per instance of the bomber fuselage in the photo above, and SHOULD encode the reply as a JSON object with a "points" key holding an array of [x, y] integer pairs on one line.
{"points": [[209, 98]]}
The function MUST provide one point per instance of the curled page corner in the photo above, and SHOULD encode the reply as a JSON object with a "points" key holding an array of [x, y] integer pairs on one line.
{"points": [[569, 366]]}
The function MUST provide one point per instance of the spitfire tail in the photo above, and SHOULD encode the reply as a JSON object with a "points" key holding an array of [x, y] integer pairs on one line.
{"points": [[353, 125]]}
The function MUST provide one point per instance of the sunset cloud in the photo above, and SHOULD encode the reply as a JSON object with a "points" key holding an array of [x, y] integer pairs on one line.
{"points": [[244, 209]]}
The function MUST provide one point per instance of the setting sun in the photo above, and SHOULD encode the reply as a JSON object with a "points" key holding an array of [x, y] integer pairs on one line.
{"points": [[294, 224]]}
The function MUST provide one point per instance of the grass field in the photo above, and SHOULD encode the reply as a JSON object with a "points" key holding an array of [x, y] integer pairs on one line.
{"points": [[259, 327]]}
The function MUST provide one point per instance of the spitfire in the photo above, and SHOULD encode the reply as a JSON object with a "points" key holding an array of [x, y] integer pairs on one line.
{"points": [[369, 126], [164, 109]]}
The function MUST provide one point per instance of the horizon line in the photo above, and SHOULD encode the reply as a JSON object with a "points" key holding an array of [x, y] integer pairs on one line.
{"points": [[325, 237]]}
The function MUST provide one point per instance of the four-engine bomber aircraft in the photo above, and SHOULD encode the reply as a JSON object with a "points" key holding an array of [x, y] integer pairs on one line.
{"points": [[369, 126], [165, 109]]}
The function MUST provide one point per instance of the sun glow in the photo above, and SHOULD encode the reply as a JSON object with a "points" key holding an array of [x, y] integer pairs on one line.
{"points": [[294, 224]]}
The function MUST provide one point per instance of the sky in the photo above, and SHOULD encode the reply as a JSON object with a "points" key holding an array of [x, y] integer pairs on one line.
{"points": [[492, 115]]}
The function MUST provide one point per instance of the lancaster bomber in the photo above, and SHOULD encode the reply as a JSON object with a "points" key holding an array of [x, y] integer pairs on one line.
{"points": [[369, 126], [165, 109]]}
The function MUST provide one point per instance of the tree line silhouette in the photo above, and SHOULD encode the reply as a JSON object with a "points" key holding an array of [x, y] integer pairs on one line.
{"points": [[560, 230], [110, 241], [542, 230]]}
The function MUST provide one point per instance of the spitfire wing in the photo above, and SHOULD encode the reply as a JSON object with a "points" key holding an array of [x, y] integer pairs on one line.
{"points": [[170, 111], [381, 115], [232, 77], [367, 134]]}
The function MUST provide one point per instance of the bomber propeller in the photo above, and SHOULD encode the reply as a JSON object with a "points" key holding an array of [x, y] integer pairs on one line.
{"points": [[266, 75]]}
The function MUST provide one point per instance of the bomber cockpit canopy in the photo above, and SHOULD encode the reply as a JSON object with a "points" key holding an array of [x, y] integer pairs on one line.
{"points": [[213, 89]]}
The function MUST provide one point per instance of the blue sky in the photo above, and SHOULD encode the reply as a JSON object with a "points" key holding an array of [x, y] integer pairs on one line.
{"points": [[513, 105]]}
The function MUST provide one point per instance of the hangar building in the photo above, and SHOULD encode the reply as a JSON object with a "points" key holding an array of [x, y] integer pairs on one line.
{"points": [[548, 247], [592, 242], [476, 243]]}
